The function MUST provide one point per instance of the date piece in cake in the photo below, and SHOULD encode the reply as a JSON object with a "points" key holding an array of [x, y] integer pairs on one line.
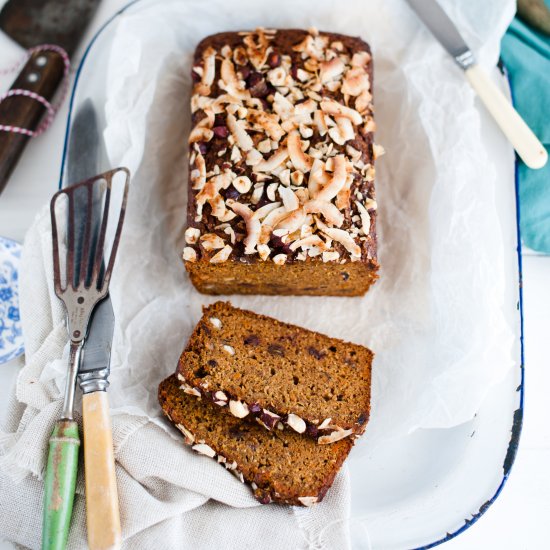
{"points": [[283, 376], [281, 177], [280, 467]]}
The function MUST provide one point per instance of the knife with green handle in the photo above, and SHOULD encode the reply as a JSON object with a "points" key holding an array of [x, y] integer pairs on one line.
{"points": [[64, 442], [62, 465]]}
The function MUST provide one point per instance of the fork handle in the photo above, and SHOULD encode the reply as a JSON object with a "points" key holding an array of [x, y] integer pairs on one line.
{"points": [[102, 511], [59, 484]]}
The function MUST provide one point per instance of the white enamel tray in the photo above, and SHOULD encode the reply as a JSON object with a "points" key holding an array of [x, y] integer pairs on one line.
{"points": [[421, 490]]}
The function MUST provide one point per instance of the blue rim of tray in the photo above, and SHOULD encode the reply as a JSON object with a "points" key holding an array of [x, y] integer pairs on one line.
{"points": [[518, 413]]}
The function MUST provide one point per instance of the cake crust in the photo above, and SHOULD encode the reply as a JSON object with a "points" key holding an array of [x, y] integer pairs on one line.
{"points": [[281, 191]]}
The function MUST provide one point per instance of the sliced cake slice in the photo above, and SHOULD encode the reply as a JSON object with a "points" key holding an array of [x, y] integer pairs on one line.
{"points": [[281, 466], [282, 374]]}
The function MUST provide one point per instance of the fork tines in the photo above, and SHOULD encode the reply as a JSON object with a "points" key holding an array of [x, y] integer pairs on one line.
{"points": [[93, 215]]}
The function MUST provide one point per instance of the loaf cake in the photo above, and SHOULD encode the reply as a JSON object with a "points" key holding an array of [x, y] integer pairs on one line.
{"points": [[281, 193], [280, 466], [285, 376]]}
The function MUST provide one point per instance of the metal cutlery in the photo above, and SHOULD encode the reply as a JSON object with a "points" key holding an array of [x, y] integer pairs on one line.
{"points": [[102, 510], [81, 283], [524, 141], [85, 154]]}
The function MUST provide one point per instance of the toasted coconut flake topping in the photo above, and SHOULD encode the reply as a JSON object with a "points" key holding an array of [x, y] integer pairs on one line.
{"points": [[189, 437], [282, 106], [290, 200], [334, 436], [307, 242], [320, 122], [262, 212], [211, 241], [330, 256], [343, 132], [200, 134], [236, 127], [308, 501], [299, 159], [284, 147], [363, 102], [338, 180], [331, 69], [204, 449], [198, 174], [192, 235], [360, 59], [273, 162], [343, 237], [332, 107], [230, 81], [365, 218], [189, 254], [293, 221], [208, 71], [329, 211], [253, 225], [355, 82], [222, 255], [275, 216]]}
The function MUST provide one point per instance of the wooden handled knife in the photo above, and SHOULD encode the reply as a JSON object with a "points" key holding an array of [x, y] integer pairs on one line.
{"points": [[30, 23], [85, 154]]}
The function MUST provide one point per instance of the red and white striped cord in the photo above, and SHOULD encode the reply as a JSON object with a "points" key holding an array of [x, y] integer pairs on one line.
{"points": [[51, 110]]}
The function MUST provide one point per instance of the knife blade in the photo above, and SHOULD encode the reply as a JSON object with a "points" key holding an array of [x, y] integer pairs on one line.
{"points": [[524, 141], [83, 148], [93, 374], [82, 163], [83, 159], [84, 153], [441, 26], [31, 23]]}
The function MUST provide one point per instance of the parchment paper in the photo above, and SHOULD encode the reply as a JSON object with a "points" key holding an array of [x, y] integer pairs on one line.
{"points": [[435, 318]]}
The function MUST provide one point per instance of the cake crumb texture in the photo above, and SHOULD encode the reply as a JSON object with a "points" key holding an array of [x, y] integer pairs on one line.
{"points": [[281, 467]]}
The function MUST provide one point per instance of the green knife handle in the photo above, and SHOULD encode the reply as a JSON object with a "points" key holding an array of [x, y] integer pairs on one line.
{"points": [[60, 484]]}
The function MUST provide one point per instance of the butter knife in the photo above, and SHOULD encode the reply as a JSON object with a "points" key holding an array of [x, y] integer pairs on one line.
{"points": [[524, 141]]}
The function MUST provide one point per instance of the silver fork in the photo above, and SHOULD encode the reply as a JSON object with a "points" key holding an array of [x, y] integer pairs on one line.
{"points": [[86, 282]]}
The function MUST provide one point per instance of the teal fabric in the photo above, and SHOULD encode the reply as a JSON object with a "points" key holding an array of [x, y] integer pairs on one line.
{"points": [[526, 54]]}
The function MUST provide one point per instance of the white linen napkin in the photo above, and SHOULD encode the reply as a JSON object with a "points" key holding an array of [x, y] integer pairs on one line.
{"points": [[169, 496]]}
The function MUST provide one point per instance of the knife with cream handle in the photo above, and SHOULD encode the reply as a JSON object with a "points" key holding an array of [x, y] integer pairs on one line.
{"points": [[524, 141]]}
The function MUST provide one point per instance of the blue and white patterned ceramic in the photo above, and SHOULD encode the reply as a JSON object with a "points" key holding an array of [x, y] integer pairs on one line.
{"points": [[11, 335]]}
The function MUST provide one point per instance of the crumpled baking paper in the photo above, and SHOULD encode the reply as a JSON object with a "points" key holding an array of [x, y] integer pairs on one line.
{"points": [[435, 319]]}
